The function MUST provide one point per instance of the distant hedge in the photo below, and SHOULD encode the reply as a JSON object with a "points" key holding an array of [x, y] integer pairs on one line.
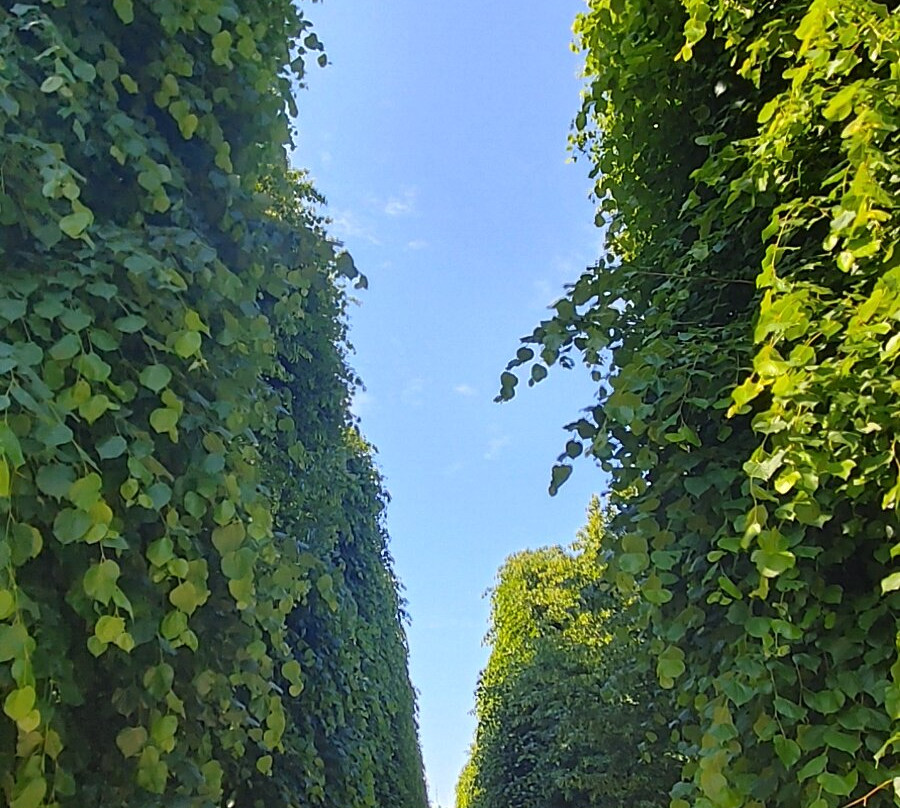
{"points": [[568, 711]]}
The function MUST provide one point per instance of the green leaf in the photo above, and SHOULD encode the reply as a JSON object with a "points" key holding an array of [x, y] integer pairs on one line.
{"points": [[158, 680], [841, 104], [788, 751], [85, 492], [112, 447], [161, 552], [13, 642], [558, 476], [188, 343], [130, 324], [70, 525], [19, 703], [55, 480], [842, 740], [891, 583], [152, 772], [100, 581], [131, 741], [761, 467], [728, 586], [103, 289], [32, 796], [11, 309], [173, 625], [155, 377], [125, 10], [241, 590], [824, 701], [164, 419], [163, 729], [7, 603], [187, 597], [25, 543], [771, 564], [194, 504], [838, 785], [159, 495], [76, 223], [28, 354], [670, 665], [10, 446], [292, 671], [95, 407], [239, 564], [228, 538], [76, 319], [109, 628], [813, 767], [92, 367], [66, 348], [52, 83], [789, 709]]}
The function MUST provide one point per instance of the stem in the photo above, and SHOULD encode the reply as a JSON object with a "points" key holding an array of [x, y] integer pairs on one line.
{"points": [[865, 797]]}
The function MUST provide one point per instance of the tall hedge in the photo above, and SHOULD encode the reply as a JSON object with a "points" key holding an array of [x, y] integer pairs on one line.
{"points": [[196, 601], [743, 331], [568, 712]]}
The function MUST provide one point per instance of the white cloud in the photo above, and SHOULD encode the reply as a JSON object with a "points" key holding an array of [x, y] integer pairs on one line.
{"points": [[412, 392], [464, 390], [401, 205], [345, 224], [416, 244], [495, 445]]}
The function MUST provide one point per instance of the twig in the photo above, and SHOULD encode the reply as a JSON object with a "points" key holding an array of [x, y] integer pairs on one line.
{"points": [[865, 797]]}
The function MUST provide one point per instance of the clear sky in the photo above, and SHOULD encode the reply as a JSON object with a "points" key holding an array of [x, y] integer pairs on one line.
{"points": [[438, 135]]}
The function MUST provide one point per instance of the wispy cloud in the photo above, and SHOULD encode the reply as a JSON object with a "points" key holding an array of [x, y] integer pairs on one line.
{"points": [[495, 446], [416, 244], [401, 205], [412, 392], [464, 390], [345, 224]]}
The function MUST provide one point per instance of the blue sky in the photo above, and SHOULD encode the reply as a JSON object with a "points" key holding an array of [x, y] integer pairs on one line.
{"points": [[438, 135]]}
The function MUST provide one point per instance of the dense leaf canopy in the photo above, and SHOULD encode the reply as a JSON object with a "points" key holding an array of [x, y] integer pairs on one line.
{"points": [[196, 599], [743, 331]]}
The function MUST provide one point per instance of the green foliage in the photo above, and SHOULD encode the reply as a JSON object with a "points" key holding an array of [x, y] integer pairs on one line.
{"points": [[743, 334], [568, 714], [196, 602]]}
